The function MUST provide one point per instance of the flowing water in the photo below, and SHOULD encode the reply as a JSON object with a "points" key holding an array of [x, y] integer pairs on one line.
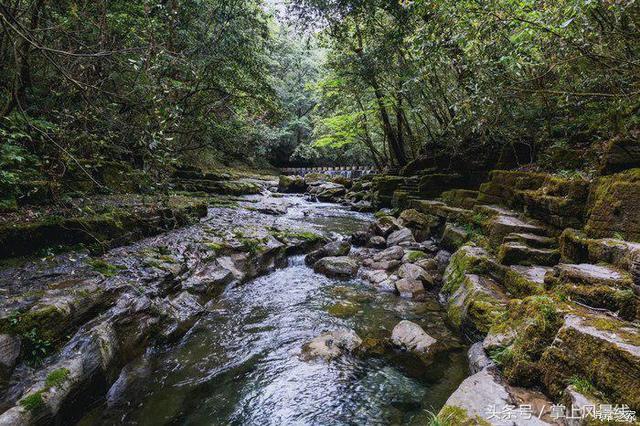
{"points": [[239, 365]]}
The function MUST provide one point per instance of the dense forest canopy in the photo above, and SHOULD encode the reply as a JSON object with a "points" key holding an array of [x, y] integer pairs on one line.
{"points": [[311, 82]]}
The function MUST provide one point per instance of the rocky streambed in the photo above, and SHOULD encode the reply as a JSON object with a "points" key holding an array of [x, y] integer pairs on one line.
{"points": [[228, 322]]}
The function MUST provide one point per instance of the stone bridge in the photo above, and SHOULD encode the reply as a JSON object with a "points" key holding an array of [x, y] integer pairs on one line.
{"points": [[347, 171]]}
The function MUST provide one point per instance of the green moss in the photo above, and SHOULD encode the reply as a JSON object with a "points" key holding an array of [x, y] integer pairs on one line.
{"points": [[535, 320], [105, 268], [415, 255], [33, 402], [619, 327], [310, 237], [56, 377], [520, 286], [457, 416]]}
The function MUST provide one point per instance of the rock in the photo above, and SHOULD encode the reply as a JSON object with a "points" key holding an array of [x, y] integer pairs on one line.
{"points": [[387, 286], [515, 253], [334, 248], [272, 209], [330, 192], [292, 184], [411, 289], [463, 198], [414, 272], [375, 276], [363, 206], [599, 348], [385, 226], [392, 253], [183, 311], [472, 402], [454, 237], [377, 242], [403, 235], [478, 359], [443, 258], [413, 256], [429, 264], [343, 309], [419, 223], [531, 240], [587, 274], [620, 154], [579, 405], [9, 353], [613, 207], [522, 281], [385, 264], [340, 267], [474, 304], [501, 226], [331, 345], [361, 238], [210, 278], [411, 337]]}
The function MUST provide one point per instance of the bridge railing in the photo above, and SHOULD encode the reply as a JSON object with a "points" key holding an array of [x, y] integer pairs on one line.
{"points": [[348, 171]]}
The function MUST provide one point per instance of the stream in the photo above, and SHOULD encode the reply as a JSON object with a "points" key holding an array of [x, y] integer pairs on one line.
{"points": [[239, 364]]}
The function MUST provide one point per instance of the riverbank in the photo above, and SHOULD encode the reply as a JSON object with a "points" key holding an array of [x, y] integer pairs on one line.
{"points": [[388, 305]]}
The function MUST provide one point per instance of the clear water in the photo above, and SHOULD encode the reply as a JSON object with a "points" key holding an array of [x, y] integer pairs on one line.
{"points": [[239, 365]]}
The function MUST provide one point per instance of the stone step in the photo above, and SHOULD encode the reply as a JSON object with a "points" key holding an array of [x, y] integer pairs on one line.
{"points": [[597, 348], [500, 226], [523, 281], [597, 286], [588, 274], [532, 240], [516, 253]]}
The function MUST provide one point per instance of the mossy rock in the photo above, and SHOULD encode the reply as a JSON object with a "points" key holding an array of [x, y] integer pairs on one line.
{"points": [[292, 184], [475, 305], [535, 321], [601, 349], [614, 207], [620, 154]]}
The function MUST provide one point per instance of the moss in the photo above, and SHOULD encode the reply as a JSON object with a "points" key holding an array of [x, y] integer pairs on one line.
{"points": [[34, 401], [310, 237], [536, 320], [467, 260], [415, 255], [56, 377], [105, 268], [618, 300], [216, 246], [586, 387], [521, 286], [614, 325], [457, 416]]}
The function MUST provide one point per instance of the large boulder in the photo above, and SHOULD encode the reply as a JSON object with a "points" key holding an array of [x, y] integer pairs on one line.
{"points": [[411, 337], [334, 248], [620, 154], [330, 192], [600, 348], [385, 226], [410, 289], [403, 235], [338, 267], [292, 184], [415, 272], [482, 399], [331, 345], [391, 253], [419, 223]]}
